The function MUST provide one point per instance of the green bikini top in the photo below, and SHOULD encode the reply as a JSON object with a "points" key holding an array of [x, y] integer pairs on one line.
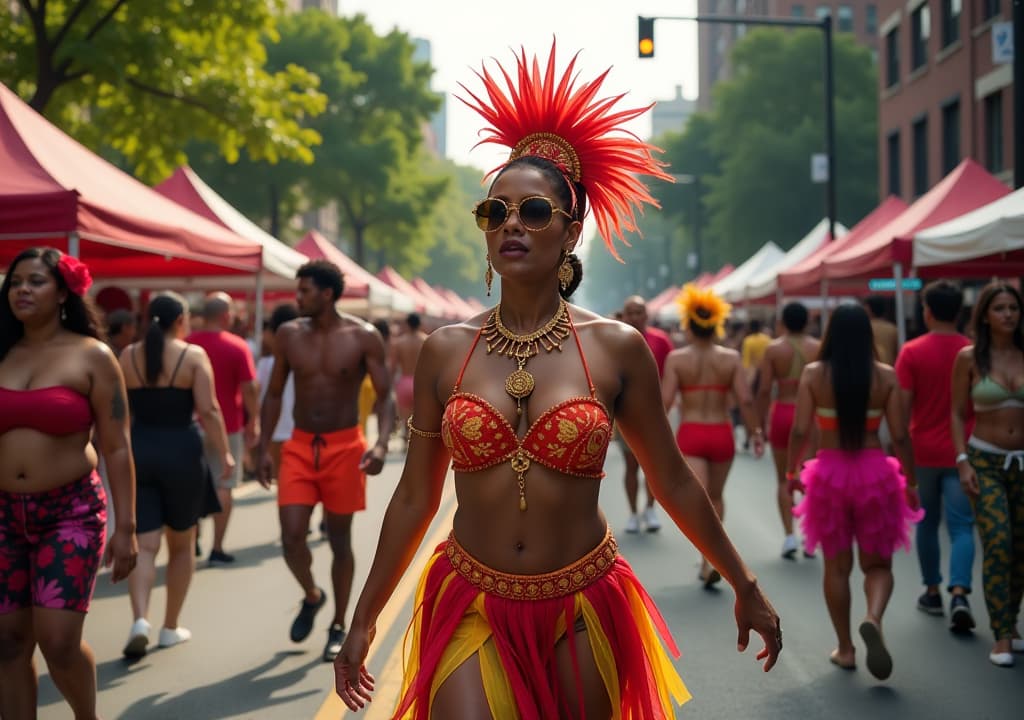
{"points": [[989, 395]]}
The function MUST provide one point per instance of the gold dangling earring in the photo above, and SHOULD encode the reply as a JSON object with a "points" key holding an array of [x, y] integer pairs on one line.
{"points": [[63, 313], [564, 273], [489, 275]]}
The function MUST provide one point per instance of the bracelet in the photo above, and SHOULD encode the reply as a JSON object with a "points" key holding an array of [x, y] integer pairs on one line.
{"points": [[960, 458], [422, 433], [792, 475]]}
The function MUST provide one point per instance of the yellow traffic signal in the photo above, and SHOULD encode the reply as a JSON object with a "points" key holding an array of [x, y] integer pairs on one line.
{"points": [[645, 44]]}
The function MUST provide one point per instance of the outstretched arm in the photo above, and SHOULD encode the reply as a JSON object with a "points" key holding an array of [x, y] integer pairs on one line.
{"points": [[406, 520], [683, 497]]}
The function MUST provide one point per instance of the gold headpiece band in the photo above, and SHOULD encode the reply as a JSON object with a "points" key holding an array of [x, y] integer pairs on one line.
{"points": [[550, 147]]}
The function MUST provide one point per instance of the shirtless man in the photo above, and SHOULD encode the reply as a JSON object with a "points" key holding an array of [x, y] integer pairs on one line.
{"points": [[403, 353], [783, 361], [326, 459]]}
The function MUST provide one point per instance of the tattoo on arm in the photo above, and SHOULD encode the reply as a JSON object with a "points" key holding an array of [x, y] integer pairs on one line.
{"points": [[118, 410]]}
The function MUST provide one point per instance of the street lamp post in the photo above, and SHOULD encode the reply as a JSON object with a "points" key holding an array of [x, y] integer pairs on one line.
{"points": [[825, 25]]}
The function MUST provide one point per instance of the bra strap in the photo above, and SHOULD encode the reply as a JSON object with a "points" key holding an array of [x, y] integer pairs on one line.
{"points": [[462, 370], [170, 383], [579, 346]]}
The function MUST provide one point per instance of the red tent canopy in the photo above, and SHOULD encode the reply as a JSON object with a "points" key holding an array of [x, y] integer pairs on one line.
{"points": [[967, 187], [805, 277], [317, 247], [722, 273], [437, 298], [390, 276], [465, 309], [662, 299], [53, 189]]}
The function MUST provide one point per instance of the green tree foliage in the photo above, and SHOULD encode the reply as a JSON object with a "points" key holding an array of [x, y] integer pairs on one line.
{"points": [[370, 161], [144, 78], [768, 120]]}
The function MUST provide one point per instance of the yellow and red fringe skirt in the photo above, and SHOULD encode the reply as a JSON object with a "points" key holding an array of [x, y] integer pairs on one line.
{"points": [[513, 622]]}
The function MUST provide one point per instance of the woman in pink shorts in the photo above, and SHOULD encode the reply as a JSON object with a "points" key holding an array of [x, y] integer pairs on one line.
{"points": [[853, 492], [704, 373]]}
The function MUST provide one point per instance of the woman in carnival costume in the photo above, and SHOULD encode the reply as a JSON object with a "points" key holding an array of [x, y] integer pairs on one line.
{"points": [[705, 373], [62, 398], [528, 610], [853, 491], [988, 377]]}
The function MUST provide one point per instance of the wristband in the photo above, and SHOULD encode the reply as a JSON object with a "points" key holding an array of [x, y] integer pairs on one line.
{"points": [[960, 458], [792, 475]]}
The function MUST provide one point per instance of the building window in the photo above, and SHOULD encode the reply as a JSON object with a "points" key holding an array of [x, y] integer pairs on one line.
{"points": [[920, 130], [920, 31], [950, 136], [994, 132], [871, 19], [951, 11], [892, 57], [797, 11], [822, 11], [893, 152], [990, 9], [845, 15]]}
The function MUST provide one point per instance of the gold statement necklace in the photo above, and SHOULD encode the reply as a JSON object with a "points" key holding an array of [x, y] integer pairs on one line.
{"points": [[520, 383]]}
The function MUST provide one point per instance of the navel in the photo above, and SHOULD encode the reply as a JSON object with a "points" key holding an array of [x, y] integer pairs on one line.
{"points": [[520, 547]]}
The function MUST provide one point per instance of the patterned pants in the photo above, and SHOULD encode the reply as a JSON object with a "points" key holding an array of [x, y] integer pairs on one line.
{"points": [[999, 515]]}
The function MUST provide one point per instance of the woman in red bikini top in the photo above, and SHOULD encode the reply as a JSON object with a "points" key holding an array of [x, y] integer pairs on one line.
{"points": [[704, 373], [62, 397], [520, 400]]}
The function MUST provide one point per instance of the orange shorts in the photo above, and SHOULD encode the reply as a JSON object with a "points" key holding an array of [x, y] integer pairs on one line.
{"points": [[323, 467]]}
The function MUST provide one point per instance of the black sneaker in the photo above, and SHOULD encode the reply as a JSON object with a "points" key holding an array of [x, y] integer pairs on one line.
{"points": [[930, 603], [960, 618], [335, 639], [303, 623], [219, 556]]}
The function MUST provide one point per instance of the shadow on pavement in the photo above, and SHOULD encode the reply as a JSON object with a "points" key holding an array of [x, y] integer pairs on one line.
{"points": [[249, 691]]}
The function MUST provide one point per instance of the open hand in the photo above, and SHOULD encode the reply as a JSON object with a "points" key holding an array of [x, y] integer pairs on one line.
{"points": [[352, 681], [373, 460], [122, 552], [754, 612]]}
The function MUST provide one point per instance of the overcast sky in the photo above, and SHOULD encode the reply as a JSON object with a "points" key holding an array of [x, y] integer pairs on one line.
{"points": [[465, 32]]}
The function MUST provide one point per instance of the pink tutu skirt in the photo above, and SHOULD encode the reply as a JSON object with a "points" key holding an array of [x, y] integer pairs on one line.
{"points": [[855, 496]]}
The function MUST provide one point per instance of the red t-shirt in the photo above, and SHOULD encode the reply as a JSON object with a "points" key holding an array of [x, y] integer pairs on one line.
{"points": [[660, 345], [232, 367], [925, 368]]}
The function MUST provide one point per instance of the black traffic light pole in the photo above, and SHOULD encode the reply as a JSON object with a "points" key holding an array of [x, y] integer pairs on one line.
{"points": [[825, 25], [1018, 93]]}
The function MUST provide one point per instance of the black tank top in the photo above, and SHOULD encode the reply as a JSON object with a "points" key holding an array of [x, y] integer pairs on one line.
{"points": [[161, 406]]}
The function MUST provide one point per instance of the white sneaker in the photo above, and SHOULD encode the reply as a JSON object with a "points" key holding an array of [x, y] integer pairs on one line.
{"points": [[138, 639], [1001, 659], [170, 637], [789, 547], [633, 524], [651, 521]]}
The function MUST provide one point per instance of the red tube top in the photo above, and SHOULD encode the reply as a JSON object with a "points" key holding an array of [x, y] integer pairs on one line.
{"points": [[572, 437], [54, 410]]}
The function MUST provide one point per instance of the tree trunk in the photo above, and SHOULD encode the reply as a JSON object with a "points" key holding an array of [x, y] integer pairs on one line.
{"points": [[275, 211], [359, 242]]}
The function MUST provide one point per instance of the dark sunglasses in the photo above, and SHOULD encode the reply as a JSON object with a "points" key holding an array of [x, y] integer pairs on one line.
{"points": [[535, 213]]}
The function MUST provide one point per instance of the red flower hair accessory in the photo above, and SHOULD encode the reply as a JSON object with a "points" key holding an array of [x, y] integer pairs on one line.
{"points": [[75, 273], [552, 118]]}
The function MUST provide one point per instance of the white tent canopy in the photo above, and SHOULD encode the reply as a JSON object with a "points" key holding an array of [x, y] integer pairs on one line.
{"points": [[991, 229], [766, 283], [734, 285]]}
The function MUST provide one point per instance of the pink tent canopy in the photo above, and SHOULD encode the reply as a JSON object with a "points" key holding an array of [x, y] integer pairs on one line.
{"points": [[54, 191], [805, 277], [967, 187], [661, 299], [391, 276], [723, 272], [317, 247], [435, 297], [465, 309]]}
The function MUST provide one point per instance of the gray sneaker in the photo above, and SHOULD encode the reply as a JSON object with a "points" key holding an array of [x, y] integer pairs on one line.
{"points": [[961, 621]]}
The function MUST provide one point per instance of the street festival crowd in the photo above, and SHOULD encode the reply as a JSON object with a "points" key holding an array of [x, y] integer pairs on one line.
{"points": [[122, 432]]}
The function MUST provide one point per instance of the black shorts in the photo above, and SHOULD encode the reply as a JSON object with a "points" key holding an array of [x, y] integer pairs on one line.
{"points": [[173, 483]]}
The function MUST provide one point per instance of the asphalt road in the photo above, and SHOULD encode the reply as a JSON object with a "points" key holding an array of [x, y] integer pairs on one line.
{"points": [[241, 664]]}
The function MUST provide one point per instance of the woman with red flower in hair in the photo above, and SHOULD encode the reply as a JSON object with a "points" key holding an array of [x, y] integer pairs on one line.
{"points": [[61, 396], [528, 610]]}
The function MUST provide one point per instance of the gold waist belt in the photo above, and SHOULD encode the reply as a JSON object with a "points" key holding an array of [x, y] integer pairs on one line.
{"points": [[559, 583]]}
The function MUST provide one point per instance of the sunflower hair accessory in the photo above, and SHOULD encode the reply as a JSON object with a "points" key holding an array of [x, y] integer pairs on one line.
{"points": [[537, 113], [703, 307]]}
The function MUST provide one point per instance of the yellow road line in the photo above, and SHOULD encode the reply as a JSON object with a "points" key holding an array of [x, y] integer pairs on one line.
{"points": [[385, 696]]}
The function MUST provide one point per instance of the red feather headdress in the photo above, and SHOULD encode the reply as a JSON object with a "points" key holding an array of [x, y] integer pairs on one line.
{"points": [[569, 126]]}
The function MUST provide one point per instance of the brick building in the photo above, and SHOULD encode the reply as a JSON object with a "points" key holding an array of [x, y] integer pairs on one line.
{"points": [[715, 41], [941, 96]]}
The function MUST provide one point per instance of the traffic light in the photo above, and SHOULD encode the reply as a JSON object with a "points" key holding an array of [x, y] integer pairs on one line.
{"points": [[645, 44]]}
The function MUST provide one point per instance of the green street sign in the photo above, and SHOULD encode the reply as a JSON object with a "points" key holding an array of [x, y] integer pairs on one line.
{"points": [[889, 284]]}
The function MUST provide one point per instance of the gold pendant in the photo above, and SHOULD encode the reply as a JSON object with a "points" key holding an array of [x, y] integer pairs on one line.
{"points": [[519, 384]]}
